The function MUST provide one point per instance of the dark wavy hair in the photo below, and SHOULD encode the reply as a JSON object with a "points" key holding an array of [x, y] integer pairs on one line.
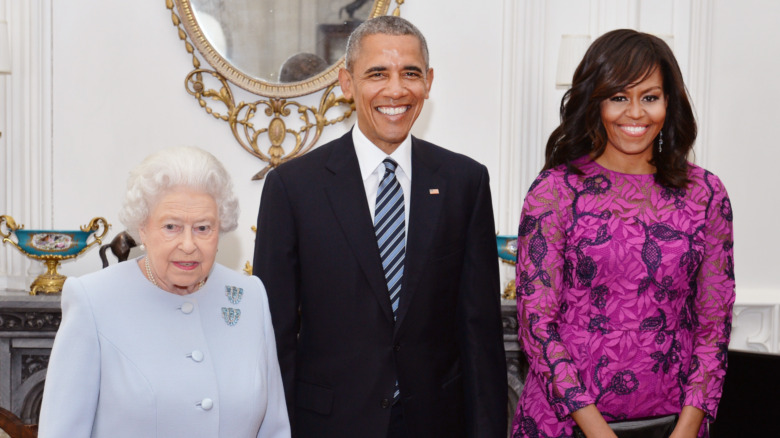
{"points": [[616, 61]]}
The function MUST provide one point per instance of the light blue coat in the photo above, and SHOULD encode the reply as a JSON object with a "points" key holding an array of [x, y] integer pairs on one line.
{"points": [[131, 360]]}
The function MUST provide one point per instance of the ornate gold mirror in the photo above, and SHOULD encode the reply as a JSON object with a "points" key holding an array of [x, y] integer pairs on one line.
{"points": [[275, 49]]}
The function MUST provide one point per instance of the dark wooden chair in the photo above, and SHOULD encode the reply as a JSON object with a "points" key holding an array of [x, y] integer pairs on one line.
{"points": [[14, 427]]}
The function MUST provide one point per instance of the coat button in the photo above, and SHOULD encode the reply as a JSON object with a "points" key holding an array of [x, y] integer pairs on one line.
{"points": [[196, 355], [397, 347], [187, 308], [206, 404], [385, 403]]}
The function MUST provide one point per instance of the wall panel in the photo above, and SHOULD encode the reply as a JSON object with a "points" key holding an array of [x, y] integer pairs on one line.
{"points": [[97, 86]]}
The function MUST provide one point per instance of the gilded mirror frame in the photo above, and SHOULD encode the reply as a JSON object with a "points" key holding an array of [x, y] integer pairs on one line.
{"points": [[265, 143]]}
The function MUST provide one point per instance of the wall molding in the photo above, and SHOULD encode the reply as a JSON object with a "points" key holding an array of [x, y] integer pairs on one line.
{"points": [[606, 15], [701, 18], [754, 327], [521, 137], [756, 322], [26, 143]]}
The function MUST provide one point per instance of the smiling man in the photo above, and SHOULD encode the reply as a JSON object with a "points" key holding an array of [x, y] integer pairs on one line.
{"points": [[379, 257]]}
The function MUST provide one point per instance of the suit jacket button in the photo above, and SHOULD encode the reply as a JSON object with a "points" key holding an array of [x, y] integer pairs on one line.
{"points": [[397, 347], [385, 403]]}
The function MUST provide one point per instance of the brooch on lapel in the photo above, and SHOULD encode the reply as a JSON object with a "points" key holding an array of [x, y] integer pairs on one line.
{"points": [[231, 315], [234, 294]]}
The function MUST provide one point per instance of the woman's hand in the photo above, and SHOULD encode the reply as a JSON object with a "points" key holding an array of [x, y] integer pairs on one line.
{"points": [[689, 423], [591, 422]]}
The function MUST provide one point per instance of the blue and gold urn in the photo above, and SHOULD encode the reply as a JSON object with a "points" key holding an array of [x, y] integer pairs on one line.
{"points": [[51, 246], [507, 252]]}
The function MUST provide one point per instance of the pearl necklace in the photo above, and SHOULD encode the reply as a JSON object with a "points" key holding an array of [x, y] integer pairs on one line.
{"points": [[149, 271], [154, 282]]}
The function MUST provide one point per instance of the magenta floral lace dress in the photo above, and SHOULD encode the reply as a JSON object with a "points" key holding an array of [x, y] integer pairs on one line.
{"points": [[624, 296]]}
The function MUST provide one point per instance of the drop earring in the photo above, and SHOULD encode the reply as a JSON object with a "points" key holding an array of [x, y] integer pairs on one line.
{"points": [[660, 141]]}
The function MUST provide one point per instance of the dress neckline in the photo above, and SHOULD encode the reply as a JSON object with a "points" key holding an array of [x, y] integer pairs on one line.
{"points": [[594, 163]]}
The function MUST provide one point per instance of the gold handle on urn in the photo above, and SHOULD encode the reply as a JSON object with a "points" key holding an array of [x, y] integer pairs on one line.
{"points": [[51, 247]]}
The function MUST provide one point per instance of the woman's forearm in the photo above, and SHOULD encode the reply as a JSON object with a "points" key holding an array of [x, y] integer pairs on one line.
{"points": [[592, 423], [689, 423]]}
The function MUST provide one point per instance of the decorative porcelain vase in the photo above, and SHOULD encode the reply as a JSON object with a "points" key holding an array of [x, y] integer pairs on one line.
{"points": [[507, 252], [51, 246]]}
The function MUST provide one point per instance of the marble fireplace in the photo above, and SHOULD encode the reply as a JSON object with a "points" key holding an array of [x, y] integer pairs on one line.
{"points": [[27, 328]]}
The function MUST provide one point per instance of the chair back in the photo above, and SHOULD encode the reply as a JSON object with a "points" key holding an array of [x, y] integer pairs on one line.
{"points": [[13, 427]]}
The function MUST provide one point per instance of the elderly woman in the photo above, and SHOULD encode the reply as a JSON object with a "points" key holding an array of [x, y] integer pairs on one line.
{"points": [[169, 344], [625, 274]]}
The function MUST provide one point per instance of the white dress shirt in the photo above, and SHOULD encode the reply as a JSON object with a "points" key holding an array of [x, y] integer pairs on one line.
{"points": [[372, 169]]}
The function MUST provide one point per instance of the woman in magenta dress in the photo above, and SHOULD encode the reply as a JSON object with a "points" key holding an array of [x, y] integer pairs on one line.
{"points": [[625, 272]]}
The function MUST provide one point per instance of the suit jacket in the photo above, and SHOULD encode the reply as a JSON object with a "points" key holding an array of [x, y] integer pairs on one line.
{"points": [[131, 360], [339, 348]]}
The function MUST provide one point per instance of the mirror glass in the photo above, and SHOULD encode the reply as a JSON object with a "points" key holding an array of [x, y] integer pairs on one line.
{"points": [[280, 41]]}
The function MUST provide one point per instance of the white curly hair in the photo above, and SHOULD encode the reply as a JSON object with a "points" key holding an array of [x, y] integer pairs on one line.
{"points": [[180, 166]]}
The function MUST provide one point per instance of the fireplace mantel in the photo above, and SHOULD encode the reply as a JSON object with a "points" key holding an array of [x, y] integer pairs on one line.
{"points": [[27, 328]]}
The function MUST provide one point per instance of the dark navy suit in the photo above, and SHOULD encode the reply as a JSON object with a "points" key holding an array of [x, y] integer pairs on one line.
{"points": [[339, 349]]}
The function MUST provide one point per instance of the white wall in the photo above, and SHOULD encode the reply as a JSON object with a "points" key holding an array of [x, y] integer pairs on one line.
{"points": [[118, 94], [746, 150], [743, 114], [110, 75]]}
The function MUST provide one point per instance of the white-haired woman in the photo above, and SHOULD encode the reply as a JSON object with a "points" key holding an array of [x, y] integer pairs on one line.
{"points": [[169, 344]]}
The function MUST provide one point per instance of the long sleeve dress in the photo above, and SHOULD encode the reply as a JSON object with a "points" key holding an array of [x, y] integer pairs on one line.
{"points": [[624, 296]]}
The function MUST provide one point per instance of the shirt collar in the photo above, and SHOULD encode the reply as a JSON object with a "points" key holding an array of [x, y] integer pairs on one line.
{"points": [[370, 156]]}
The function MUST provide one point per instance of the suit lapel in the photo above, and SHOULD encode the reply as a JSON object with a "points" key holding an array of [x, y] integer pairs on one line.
{"points": [[347, 197], [426, 205]]}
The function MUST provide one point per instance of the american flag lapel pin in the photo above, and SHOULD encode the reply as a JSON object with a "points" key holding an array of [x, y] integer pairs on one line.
{"points": [[433, 191]]}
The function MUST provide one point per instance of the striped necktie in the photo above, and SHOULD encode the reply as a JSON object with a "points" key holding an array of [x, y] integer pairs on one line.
{"points": [[390, 229]]}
